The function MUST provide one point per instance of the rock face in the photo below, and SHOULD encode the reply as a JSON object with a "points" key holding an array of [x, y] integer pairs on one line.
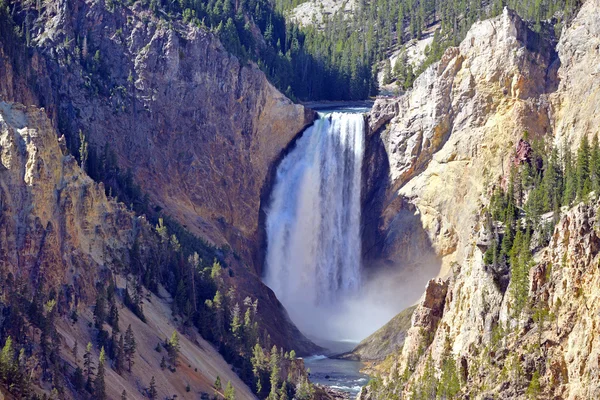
{"points": [[446, 143], [576, 104], [455, 131], [57, 225], [199, 131], [59, 231], [314, 12]]}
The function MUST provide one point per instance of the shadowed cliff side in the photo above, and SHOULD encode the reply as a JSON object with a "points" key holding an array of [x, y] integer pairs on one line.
{"points": [[162, 108]]}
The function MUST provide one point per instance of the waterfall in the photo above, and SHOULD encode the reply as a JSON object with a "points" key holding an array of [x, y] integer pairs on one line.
{"points": [[313, 257]]}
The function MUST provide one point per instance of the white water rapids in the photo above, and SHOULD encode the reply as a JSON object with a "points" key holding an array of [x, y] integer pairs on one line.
{"points": [[313, 259]]}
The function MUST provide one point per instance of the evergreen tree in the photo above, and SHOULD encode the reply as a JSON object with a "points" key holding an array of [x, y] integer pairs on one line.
{"points": [[595, 165], [113, 317], [100, 309], [217, 384], [449, 384], [120, 356], [304, 389], [8, 367], [275, 370], [78, 380], [99, 383], [584, 185], [88, 366], [236, 324], [129, 347], [152, 392], [387, 72], [173, 348], [552, 182], [229, 391], [570, 178]]}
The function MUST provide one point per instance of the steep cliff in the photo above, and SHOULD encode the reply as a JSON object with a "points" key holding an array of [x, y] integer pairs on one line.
{"points": [[448, 143], [164, 107], [453, 133], [60, 234]]}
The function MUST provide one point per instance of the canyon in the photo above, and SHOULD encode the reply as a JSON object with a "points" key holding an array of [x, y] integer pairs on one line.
{"points": [[113, 124]]}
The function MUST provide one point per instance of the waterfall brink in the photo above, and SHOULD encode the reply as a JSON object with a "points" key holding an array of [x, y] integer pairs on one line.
{"points": [[313, 224]]}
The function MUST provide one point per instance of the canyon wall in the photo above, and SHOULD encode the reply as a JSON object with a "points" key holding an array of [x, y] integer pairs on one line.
{"points": [[447, 143], [454, 133], [198, 130], [60, 233]]}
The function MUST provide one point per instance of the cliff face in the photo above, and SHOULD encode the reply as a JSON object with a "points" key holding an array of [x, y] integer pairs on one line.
{"points": [[576, 102], [198, 130], [453, 133], [59, 232], [58, 226], [497, 354], [447, 142]]}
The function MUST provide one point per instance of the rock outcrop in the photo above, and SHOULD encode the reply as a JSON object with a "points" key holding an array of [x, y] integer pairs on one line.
{"points": [[576, 103], [57, 225], [198, 129], [455, 131], [387, 340]]}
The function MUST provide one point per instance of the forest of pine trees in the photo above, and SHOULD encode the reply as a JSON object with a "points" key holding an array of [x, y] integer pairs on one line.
{"points": [[531, 203], [335, 61]]}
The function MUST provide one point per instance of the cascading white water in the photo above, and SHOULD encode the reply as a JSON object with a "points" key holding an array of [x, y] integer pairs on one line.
{"points": [[313, 224]]}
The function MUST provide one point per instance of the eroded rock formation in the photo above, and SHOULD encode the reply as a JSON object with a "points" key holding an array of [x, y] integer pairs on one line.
{"points": [[447, 142]]}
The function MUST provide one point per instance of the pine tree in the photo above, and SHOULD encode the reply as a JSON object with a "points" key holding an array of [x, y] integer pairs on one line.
{"points": [[99, 383], [552, 182], [75, 351], [88, 366], [583, 169], [173, 348], [152, 392], [100, 309], [595, 165], [387, 72], [229, 392], [449, 384], [8, 367], [219, 311], [274, 364], [120, 356], [236, 324], [217, 384], [304, 389], [570, 179], [78, 380], [129, 347], [113, 317], [124, 395]]}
